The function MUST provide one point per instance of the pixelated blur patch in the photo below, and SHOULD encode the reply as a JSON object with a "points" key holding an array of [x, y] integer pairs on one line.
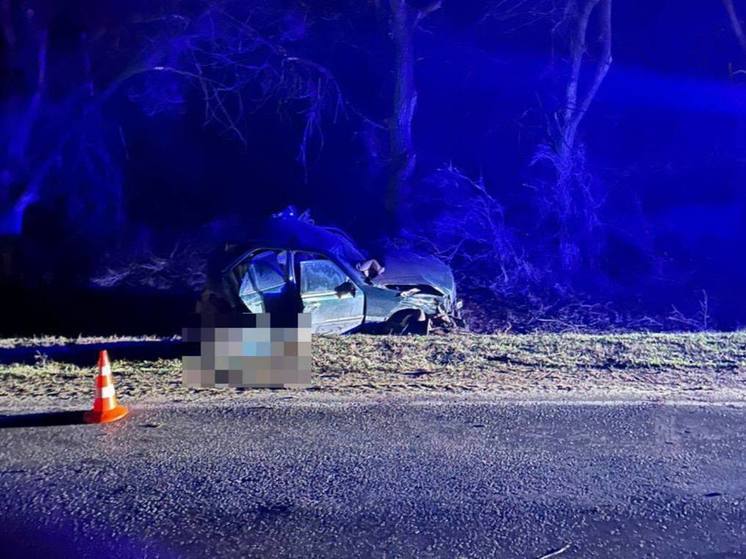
{"points": [[251, 354]]}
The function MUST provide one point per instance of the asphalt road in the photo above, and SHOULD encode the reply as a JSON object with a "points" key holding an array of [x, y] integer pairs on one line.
{"points": [[385, 478]]}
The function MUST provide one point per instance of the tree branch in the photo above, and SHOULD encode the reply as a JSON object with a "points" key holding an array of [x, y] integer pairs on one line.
{"points": [[578, 51], [422, 13], [735, 23], [578, 103], [602, 68]]}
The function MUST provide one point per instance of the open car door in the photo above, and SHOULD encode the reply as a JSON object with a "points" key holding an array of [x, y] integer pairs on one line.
{"points": [[265, 275]]}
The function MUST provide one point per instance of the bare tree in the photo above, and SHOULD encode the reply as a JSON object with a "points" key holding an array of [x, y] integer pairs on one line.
{"points": [[569, 195], [404, 19], [236, 66]]}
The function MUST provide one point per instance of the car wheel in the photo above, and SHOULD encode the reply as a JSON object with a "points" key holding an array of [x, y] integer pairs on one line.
{"points": [[408, 322]]}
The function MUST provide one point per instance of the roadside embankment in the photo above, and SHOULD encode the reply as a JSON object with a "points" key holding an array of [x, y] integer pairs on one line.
{"points": [[707, 366]]}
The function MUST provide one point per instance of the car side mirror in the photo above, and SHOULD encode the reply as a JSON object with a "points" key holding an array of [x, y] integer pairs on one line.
{"points": [[346, 289]]}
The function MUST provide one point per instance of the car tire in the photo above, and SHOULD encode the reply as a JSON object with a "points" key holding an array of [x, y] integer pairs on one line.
{"points": [[407, 322]]}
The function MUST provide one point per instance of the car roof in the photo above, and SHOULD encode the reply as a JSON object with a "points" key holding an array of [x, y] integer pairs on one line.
{"points": [[291, 233]]}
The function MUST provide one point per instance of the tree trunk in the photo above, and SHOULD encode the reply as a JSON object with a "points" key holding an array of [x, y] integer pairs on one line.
{"points": [[402, 154], [571, 195], [577, 104]]}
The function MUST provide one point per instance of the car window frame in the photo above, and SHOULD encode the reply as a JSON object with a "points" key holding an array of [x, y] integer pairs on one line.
{"points": [[298, 279], [324, 289], [246, 263]]}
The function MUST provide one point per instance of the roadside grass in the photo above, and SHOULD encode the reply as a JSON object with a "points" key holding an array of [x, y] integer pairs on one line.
{"points": [[46, 341], [690, 365]]}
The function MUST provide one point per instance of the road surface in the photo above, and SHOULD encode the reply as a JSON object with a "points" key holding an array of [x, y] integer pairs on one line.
{"points": [[379, 477]]}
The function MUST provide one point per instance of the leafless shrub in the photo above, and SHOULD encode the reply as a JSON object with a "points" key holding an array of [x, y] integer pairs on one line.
{"points": [[464, 225], [568, 201], [544, 309], [183, 268], [700, 322]]}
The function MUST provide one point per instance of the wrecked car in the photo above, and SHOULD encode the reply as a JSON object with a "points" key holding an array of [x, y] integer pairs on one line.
{"points": [[319, 270]]}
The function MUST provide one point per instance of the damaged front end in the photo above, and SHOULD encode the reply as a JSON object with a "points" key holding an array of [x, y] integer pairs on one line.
{"points": [[438, 306]]}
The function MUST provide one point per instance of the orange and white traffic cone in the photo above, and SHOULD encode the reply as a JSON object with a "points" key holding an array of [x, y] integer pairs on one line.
{"points": [[105, 406]]}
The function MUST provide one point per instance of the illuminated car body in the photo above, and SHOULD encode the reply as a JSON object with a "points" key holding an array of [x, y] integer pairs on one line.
{"points": [[318, 270]]}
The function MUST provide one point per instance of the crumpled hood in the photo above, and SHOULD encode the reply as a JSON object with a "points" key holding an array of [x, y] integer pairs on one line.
{"points": [[408, 268]]}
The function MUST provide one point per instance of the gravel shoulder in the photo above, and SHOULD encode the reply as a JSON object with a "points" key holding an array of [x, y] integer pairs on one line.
{"points": [[699, 367]]}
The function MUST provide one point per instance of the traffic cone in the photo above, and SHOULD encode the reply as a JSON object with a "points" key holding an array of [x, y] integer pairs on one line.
{"points": [[105, 406]]}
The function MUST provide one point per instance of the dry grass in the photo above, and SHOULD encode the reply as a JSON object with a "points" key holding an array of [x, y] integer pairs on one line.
{"points": [[45, 341], [701, 366]]}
